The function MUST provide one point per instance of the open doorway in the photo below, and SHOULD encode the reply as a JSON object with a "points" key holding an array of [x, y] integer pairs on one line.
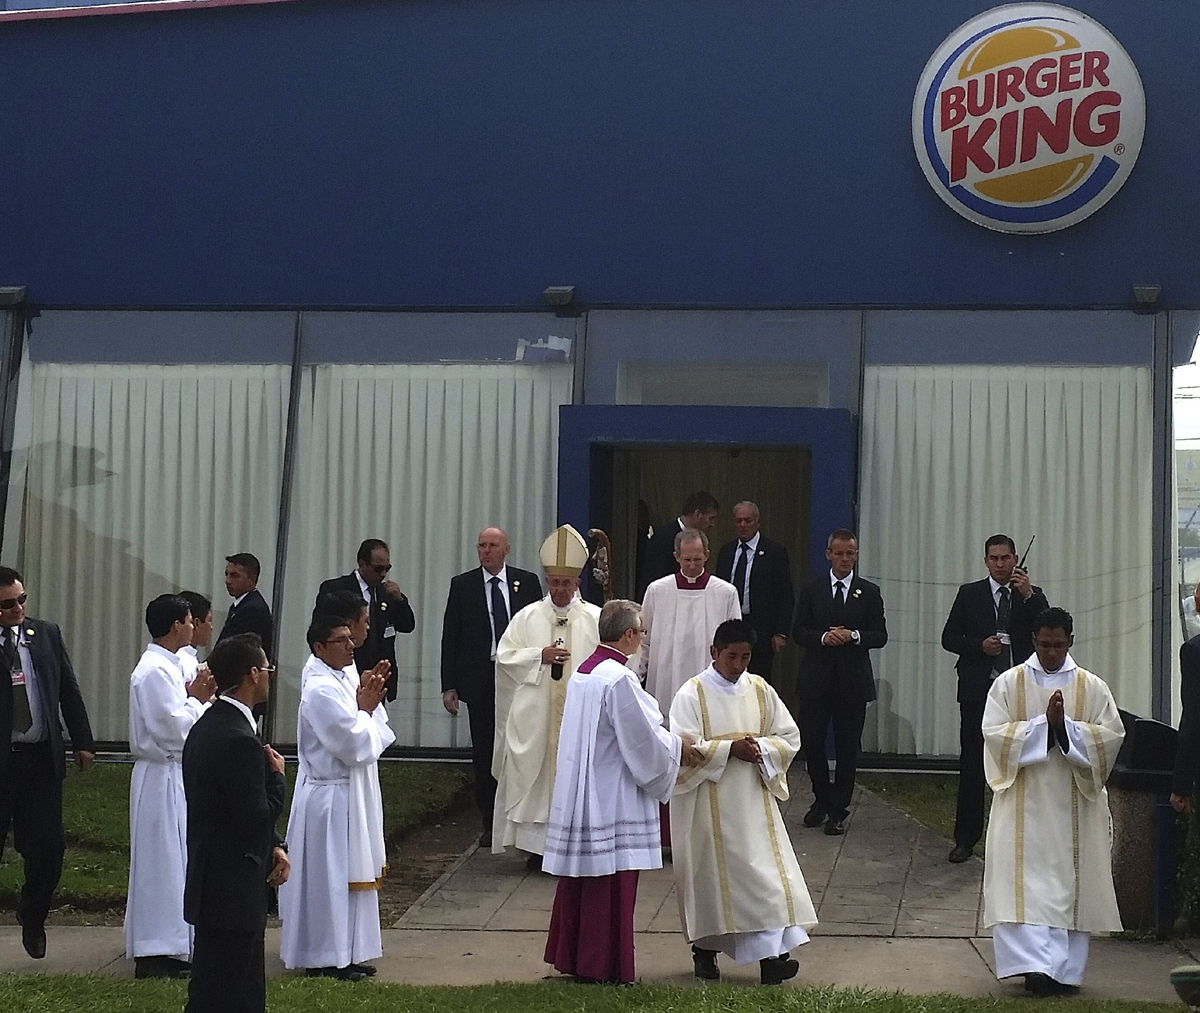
{"points": [[640, 487]]}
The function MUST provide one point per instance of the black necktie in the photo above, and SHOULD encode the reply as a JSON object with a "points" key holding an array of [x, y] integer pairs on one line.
{"points": [[1003, 660], [739, 574], [22, 717], [499, 610], [839, 600]]}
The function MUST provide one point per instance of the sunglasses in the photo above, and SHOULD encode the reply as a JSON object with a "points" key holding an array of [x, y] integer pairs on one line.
{"points": [[379, 568], [11, 603]]}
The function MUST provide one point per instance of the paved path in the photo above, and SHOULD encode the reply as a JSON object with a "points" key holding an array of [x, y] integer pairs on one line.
{"points": [[894, 914]]}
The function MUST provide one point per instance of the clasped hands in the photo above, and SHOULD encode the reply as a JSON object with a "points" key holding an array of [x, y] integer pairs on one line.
{"points": [[836, 636], [203, 687], [746, 749], [372, 687]]}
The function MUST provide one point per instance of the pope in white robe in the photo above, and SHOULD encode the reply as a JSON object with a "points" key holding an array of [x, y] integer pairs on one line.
{"points": [[543, 644], [616, 763], [1051, 735], [739, 884], [330, 904], [680, 613], [162, 710]]}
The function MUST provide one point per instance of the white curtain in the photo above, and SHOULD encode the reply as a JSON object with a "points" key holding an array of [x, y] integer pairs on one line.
{"points": [[422, 456], [130, 481], [952, 454]]}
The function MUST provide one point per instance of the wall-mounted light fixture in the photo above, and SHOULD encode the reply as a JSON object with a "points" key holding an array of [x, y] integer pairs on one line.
{"points": [[558, 295], [1147, 295]]}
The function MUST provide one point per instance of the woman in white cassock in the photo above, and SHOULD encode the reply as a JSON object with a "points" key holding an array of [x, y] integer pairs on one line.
{"points": [[162, 710], [1051, 734], [739, 885], [330, 904]]}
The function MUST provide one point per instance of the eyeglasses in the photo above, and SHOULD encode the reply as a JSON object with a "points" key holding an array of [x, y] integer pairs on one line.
{"points": [[265, 668], [379, 568], [11, 603], [340, 640]]}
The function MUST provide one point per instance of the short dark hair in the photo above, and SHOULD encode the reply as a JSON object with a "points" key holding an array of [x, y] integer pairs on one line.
{"points": [[247, 561], [368, 546], [1000, 540], [164, 612], [344, 605], [702, 501], [199, 605], [320, 628], [232, 659], [841, 535], [9, 576], [734, 631], [1054, 619]]}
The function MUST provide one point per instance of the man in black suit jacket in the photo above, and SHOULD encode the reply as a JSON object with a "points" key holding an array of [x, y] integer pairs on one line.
{"points": [[990, 628], [234, 788], [838, 620], [249, 612], [390, 611], [657, 558], [39, 685], [1187, 745], [761, 572], [479, 606]]}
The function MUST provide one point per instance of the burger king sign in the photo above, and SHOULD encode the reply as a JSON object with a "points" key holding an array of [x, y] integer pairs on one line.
{"points": [[1028, 118]]}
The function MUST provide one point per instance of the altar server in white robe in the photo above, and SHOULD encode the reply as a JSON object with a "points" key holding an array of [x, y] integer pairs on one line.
{"points": [[330, 903], [680, 613], [202, 624], [540, 648], [1051, 734], [162, 710], [616, 763], [739, 885]]}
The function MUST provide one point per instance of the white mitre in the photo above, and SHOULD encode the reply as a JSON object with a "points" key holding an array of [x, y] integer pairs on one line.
{"points": [[564, 553]]}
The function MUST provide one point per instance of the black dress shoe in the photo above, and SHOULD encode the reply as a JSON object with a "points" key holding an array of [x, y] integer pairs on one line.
{"points": [[347, 973], [705, 964], [776, 970], [368, 970], [33, 938], [835, 827], [815, 816], [534, 863], [960, 853], [160, 967], [485, 839], [1042, 985]]}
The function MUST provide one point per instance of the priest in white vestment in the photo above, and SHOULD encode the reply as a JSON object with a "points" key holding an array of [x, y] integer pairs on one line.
{"points": [[330, 903], [616, 763], [739, 885], [202, 624], [680, 613], [540, 648], [162, 710], [1051, 734]]}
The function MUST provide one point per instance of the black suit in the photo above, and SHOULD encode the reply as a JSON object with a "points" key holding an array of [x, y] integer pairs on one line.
{"points": [[971, 621], [658, 556], [1187, 748], [31, 775], [771, 596], [387, 614], [251, 615], [233, 801], [468, 668], [836, 682]]}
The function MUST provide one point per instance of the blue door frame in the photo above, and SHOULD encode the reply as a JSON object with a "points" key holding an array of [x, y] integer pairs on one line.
{"points": [[829, 433]]}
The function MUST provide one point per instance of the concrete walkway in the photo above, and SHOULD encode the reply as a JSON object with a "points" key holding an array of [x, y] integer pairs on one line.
{"points": [[894, 914]]}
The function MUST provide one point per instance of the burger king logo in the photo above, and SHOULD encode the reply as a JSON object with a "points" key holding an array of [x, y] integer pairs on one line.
{"points": [[1028, 118]]}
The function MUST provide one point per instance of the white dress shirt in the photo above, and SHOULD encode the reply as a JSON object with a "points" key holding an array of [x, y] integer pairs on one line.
{"points": [[244, 709], [37, 730], [363, 587], [752, 551], [487, 596]]}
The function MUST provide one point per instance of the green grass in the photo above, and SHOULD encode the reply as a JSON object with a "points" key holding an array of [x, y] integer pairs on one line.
{"points": [[23, 994], [930, 799], [96, 820]]}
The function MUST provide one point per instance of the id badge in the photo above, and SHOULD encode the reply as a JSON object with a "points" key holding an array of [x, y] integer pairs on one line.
{"points": [[18, 678], [389, 632]]}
